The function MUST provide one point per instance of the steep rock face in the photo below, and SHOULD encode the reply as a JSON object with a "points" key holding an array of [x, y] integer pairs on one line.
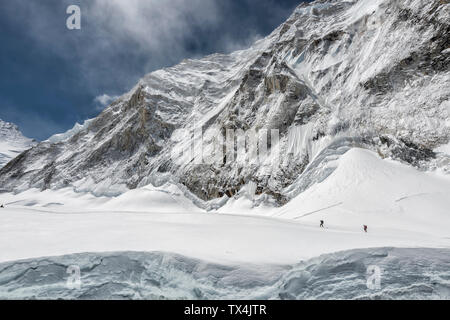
{"points": [[12, 142], [335, 75]]}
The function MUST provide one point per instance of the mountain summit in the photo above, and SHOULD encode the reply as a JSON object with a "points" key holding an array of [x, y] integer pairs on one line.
{"points": [[371, 74], [12, 142]]}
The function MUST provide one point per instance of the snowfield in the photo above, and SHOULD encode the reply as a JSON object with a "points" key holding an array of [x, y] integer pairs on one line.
{"points": [[403, 207], [12, 142]]}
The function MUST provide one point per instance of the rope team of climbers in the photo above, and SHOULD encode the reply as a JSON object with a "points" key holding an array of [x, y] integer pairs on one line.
{"points": [[322, 225]]}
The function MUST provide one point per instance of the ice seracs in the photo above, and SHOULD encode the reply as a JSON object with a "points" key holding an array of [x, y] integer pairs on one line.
{"points": [[12, 142]]}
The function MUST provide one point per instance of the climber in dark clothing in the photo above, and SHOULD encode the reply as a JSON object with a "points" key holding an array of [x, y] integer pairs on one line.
{"points": [[321, 224], [365, 228], [2, 206]]}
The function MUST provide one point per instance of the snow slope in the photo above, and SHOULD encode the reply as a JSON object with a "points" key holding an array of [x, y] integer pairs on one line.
{"points": [[364, 189], [403, 207], [12, 142], [33, 233], [268, 253]]}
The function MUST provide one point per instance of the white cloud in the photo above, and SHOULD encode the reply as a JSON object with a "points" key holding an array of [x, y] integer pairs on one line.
{"points": [[151, 22], [122, 40], [148, 28], [158, 28], [104, 100]]}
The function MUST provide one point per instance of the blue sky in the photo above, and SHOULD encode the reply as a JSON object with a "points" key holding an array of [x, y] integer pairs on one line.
{"points": [[52, 77]]}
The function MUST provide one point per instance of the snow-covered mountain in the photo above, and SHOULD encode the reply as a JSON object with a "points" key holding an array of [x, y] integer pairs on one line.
{"points": [[12, 142], [372, 74]]}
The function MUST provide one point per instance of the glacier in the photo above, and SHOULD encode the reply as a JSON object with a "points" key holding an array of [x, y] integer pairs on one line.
{"points": [[405, 274]]}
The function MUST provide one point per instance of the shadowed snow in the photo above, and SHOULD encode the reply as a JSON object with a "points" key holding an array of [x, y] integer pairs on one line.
{"points": [[405, 274]]}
